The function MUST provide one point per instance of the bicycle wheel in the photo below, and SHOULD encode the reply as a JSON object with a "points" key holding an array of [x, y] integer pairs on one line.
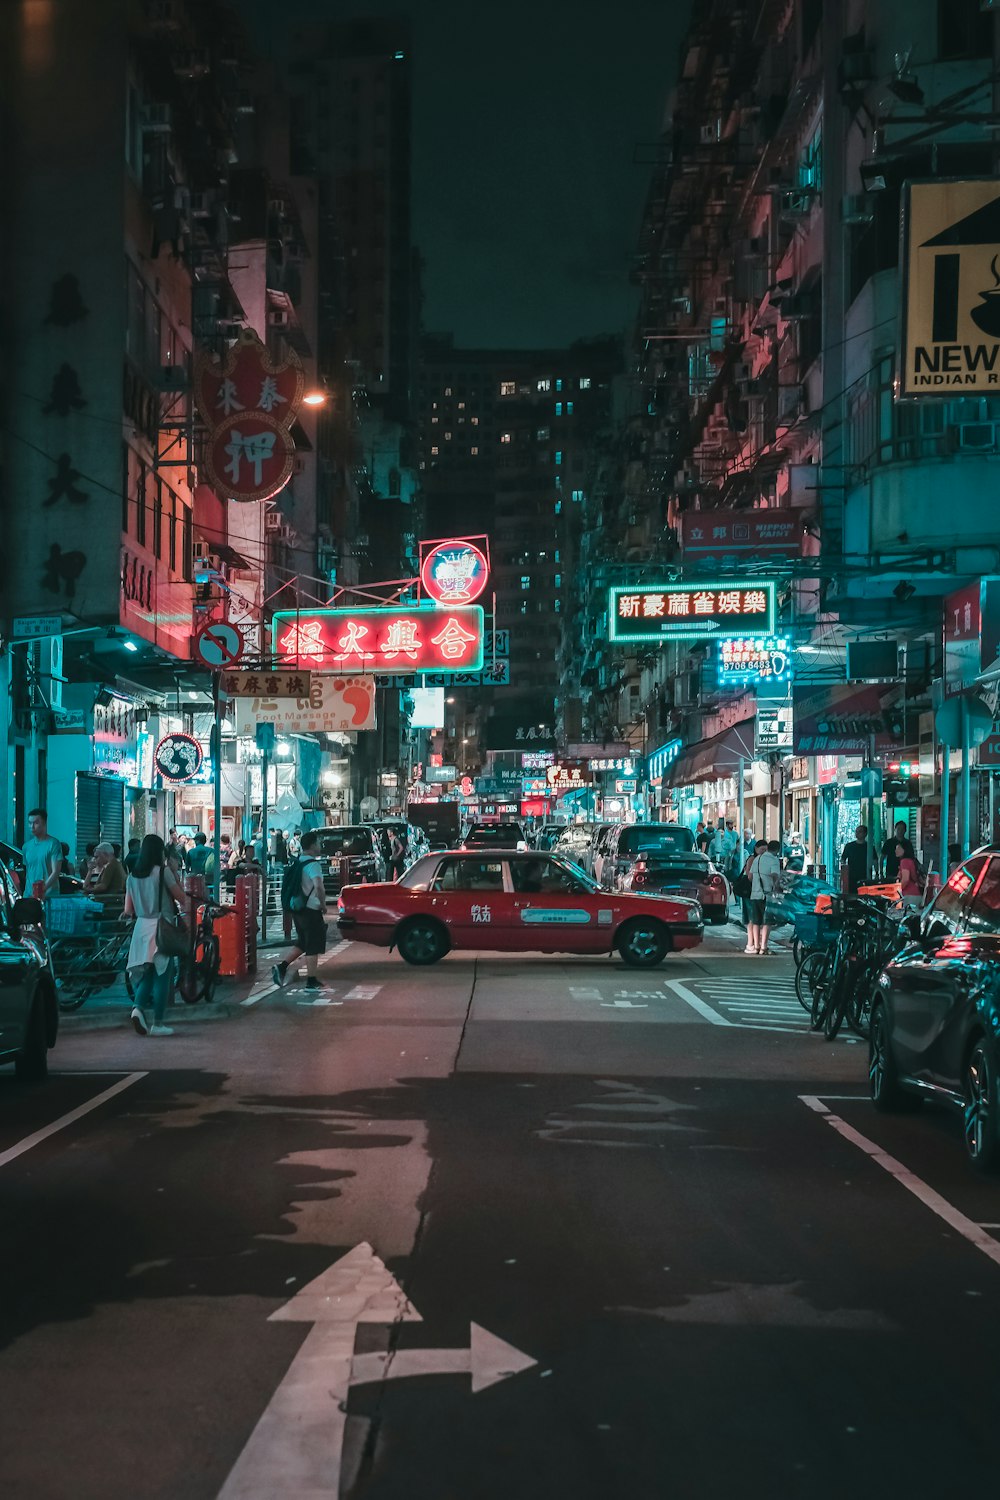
{"points": [[188, 980], [859, 1010], [837, 1002], [798, 951], [209, 968], [812, 968]]}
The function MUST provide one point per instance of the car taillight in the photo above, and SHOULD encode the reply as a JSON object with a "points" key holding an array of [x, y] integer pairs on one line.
{"points": [[340, 903], [717, 882]]}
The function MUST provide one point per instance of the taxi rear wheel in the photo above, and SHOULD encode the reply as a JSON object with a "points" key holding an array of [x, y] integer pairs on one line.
{"points": [[643, 943], [422, 942]]}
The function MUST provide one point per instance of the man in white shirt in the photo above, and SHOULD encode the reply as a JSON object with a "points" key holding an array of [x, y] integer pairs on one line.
{"points": [[765, 876]]}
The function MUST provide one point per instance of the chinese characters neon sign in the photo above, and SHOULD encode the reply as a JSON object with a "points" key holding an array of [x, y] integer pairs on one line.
{"points": [[684, 612], [250, 404], [422, 638], [750, 658]]}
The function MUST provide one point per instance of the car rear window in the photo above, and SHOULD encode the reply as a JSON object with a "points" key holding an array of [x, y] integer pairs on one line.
{"points": [[495, 833], [671, 838], [336, 843]]}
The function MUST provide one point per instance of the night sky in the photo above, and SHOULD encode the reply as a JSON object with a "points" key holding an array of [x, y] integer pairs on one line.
{"points": [[526, 117]]}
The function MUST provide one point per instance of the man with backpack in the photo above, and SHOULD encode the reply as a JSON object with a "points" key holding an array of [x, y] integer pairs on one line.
{"points": [[304, 895]]}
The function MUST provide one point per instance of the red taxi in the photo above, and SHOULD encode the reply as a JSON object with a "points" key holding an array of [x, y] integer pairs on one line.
{"points": [[513, 902]]}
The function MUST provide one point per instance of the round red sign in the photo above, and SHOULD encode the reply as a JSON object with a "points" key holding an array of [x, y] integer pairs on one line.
{"points": [[454, 572]]}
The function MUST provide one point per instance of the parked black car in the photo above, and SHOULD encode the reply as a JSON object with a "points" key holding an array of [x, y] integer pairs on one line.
{"points": [[935, 1026], [29, 1015], [495, 836], [359, 845]]}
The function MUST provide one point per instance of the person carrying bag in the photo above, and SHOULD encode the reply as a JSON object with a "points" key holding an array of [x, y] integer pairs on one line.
{"points": [[152, 897]]}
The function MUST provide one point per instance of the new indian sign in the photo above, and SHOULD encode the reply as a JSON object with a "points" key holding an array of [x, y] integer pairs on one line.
{"points": [[950, 323], [679, 612]]}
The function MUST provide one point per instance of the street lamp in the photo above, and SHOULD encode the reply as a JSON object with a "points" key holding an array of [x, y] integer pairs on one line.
{"points": [[315, 397]]}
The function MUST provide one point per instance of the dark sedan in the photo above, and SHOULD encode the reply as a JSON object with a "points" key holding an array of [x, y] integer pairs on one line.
{"points": [[935, 1027]]}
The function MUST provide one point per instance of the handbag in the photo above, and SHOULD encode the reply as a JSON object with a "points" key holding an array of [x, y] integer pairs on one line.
{"points": [[743, 884], [171, 932]]}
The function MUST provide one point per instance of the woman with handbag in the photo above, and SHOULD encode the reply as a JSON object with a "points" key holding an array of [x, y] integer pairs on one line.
{"points": [[153, 896]]}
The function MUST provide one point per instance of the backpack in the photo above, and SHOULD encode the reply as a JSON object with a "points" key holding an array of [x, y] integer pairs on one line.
{"points": [[292, 895], [743, 884]]}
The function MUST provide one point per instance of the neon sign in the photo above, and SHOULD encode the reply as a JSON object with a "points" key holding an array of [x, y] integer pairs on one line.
{"points": [[685, 612], [178, 757], [421, 638], [752, 658], [454, 572]]}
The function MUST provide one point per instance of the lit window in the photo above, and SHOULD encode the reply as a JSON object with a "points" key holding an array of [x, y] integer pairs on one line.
{"points": [[447, 390], [505, 437], [524, 607], [434, 407], [558, 455], [558, 605], [474, 421], [474, 452], [559, 586], [434, 419], [435, 452], [526, 580], [558, 481], [542, 434], [558, 408], [545, 385], [558, 507], [585, 382], [461, 419], [569, 408], [556, 554], [461, 406], [577, 496], [558, 385], [447, 437], [508, 387]]}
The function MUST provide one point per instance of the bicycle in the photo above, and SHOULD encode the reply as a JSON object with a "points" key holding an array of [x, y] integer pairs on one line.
{"points": [[198, 973], [842, 990]]}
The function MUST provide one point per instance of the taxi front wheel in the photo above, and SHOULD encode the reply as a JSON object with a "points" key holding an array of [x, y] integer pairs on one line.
{"points": [[422, 942], [643, 944]]}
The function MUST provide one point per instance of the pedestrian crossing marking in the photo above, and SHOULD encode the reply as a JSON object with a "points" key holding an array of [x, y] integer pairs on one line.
{"points": [[363, 992]]}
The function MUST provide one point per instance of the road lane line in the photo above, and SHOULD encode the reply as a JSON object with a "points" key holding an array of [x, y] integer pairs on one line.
{"points": [[682, 992], [952, 1216], [75, 1114]]}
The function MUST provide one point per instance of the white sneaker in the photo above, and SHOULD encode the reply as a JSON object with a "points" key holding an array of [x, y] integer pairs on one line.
{"points": [[139, 1021], [161, 1031]]}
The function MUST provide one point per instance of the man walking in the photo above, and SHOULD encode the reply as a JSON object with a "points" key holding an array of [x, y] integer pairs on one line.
{"points": [[307, 902], [43, 857], [890, 859], [856, 861]]}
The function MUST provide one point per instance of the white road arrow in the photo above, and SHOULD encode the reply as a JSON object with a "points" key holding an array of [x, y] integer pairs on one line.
{"points": [[488, 1359], [295, 1450]]}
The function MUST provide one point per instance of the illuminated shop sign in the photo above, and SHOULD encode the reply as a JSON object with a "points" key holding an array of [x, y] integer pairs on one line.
{"points": [[421, 638], [622, 763], [750, 658], [178, 757], [684, 612], [662, 759], [453, 572]]}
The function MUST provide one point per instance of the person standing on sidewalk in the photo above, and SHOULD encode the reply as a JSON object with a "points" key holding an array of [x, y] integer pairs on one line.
{"points": [[766, 880], [43, 856], [307, 903], [151, 891]]}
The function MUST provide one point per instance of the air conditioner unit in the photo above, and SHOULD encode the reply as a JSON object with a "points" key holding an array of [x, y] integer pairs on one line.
{"points": [[277, 317], [796, 203], [857, 208], [172, 378], [201, 549], [156, 117], [975, 437]]}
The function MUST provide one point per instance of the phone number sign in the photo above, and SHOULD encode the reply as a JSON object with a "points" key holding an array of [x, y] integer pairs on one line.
{"points": [[684, 612], [421, 638]]}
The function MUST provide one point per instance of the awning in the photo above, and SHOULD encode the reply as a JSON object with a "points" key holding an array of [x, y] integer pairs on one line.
{"points": [[712, 759]]}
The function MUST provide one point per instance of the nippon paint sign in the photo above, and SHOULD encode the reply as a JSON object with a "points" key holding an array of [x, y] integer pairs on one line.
{"points": [[950, 316]]}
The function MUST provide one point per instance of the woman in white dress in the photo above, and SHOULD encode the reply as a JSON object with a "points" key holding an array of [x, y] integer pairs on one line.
{"points": [[151, 891]]}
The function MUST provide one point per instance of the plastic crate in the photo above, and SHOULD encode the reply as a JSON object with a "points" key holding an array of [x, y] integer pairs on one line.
{"points": [[72, 916]]}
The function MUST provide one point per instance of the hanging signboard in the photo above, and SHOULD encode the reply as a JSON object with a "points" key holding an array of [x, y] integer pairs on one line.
{"points": [[250, 403], [971, 633], [394, 639], [744, 659], [567, 774], [684, 612], [773, 727], [266, 684], [950, 316], [335, 705], [454, 572], [178, 757], [716, 536]]}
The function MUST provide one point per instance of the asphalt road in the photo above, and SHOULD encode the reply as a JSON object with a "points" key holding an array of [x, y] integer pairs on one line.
{"points": [[659, 1200]]}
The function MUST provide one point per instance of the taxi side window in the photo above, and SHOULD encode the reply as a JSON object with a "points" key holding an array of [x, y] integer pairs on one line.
{"points": [[984, 906], [534, 876], [469, 875], [948, 909]]}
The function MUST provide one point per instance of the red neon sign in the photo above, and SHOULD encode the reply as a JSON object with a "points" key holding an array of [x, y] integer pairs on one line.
{"points": [[454, 572], [250, 402], [422, 638]]}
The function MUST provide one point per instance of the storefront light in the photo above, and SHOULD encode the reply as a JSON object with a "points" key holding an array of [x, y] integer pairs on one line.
{"points": [[284, 747]]}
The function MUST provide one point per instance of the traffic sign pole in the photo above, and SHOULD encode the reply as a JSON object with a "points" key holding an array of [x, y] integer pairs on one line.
{"points": [[217, 769]]}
